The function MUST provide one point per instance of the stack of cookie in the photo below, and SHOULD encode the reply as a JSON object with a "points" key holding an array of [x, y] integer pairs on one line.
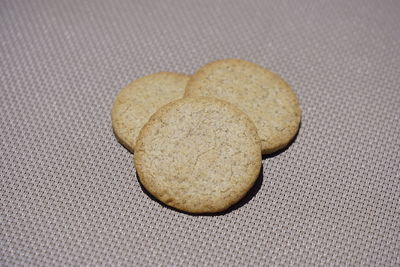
{"points": [[198, 139]]}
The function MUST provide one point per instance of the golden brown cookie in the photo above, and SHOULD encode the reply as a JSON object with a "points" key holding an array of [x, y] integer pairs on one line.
{"points": [[135, 104], [198, 154], [263, 95]]}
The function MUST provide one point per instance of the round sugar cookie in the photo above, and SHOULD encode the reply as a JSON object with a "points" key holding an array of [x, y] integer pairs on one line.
{"points": [[135, 103], [263, 95], [199, 155]]}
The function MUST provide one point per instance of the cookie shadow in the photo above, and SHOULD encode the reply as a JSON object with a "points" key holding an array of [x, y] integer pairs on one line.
{"points": [[247, 198], [276, 153]]}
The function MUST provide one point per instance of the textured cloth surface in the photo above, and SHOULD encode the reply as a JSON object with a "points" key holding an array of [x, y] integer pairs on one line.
{"points": [[69, 192]]}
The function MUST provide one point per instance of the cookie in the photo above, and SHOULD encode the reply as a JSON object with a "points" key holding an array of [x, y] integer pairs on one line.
{"points": [[198, 154], [263, 95], [135, 104]]}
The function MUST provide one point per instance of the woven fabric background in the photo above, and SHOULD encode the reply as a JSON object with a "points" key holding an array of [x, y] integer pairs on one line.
{"points": [[69, 192]]}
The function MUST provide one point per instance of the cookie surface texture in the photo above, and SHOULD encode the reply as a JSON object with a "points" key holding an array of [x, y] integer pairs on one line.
{"points": [[135, 103], [263, 95], [199, 155]]}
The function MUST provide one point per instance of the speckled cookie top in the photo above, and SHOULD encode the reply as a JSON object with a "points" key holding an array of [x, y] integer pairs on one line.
{"points": [[263, 95], [135, 104], [198, 154]]}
